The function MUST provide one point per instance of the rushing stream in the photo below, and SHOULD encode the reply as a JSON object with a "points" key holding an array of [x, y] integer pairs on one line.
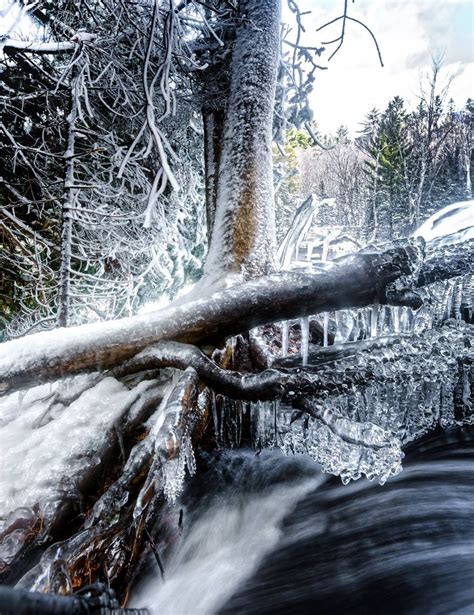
{"points": [[272, 534]]}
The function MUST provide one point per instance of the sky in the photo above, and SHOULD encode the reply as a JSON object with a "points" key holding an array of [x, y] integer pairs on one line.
{"points": [[409, 33]]}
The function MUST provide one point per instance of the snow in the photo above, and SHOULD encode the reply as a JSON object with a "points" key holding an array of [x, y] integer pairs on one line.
{"points": [[33, 46], [47, 447], [452, 224]]}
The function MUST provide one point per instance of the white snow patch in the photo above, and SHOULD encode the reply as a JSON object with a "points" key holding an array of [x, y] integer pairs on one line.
{"points": [[452, 224], [44, 452]]}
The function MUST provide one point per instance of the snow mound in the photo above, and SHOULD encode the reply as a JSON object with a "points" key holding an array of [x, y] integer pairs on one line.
{"points": [[47, 448], [450, 225]]}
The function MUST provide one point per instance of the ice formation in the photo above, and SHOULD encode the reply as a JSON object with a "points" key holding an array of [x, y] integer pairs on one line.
{"points": [[417, 382], [48, 446], [304, 323], [362, 433]]}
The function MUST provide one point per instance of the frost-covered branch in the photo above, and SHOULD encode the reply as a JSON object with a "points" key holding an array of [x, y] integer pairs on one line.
{"points": [[36, 47]]}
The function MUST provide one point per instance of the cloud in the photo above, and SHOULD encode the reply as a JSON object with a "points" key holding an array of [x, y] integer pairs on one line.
{"points": [[409, 34]]}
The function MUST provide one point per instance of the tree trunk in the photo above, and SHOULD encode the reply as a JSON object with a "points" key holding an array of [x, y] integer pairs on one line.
{"points": [[213, 121], [67, 208], [243, 236]]}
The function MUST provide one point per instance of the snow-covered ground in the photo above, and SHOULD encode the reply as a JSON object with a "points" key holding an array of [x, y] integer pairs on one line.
{"points": [[46, 446]]}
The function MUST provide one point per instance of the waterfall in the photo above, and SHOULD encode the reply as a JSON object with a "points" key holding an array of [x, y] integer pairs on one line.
{"points": [[271, 534]]}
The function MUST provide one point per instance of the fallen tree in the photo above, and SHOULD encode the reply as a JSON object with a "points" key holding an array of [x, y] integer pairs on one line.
{"points": [[353, 281]]}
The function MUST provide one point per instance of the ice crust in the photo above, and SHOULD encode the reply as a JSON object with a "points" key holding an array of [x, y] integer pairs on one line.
{"points": [[45, 452]]}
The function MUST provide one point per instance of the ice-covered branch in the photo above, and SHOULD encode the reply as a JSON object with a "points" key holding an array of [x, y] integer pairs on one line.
{"points": [[269, 384], [38, 47], [352, 281]]}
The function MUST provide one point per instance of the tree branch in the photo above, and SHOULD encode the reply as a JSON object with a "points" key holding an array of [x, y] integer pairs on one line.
{"points": [[10, 44], [351, 281]]}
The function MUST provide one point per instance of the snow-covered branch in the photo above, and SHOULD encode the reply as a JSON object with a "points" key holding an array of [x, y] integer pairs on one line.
{"points": [[352, 281], [10, 44]]}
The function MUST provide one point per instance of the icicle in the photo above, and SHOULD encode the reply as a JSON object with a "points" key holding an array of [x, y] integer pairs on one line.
{"points": [[450, 299], [239, 421], [214, 416], [304, 323], [222, 421], [254, 423], [176, 377], [326, 329], [233, 344], [337, 319], [276, 407], [261, 424], [364, 322], [396, 319], [374, 315], [285, 329], [325, 250], [457, 299]]}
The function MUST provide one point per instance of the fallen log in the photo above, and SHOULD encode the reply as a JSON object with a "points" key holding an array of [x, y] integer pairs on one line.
{"points": [[115, 535], [352, 281]]}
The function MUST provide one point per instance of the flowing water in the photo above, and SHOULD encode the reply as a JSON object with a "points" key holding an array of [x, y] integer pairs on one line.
{"points": [[272, 534]]}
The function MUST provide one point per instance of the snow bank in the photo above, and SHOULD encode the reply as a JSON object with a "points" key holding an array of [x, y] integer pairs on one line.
{"points": [[452, 224], [46, 447]]}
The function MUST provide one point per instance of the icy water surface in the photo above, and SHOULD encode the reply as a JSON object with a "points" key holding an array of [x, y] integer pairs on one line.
{"points": [[271, 534]]}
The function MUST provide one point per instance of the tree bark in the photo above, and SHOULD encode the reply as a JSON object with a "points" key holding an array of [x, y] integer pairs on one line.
{"points": [[243, 236], [213, 122]]}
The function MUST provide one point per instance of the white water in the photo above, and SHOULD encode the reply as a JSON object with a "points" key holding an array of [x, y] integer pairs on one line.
{"points": [[222, 549]]}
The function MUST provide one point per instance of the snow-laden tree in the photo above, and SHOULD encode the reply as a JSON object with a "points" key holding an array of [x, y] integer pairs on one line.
{"points": [[93, 123]]}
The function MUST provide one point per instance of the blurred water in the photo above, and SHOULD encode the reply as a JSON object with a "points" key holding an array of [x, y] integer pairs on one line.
{"points": [[271, 534]]}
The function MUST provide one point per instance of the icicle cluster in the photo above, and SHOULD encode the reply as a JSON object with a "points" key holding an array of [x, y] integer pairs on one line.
{"points": [[361, 432]]}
